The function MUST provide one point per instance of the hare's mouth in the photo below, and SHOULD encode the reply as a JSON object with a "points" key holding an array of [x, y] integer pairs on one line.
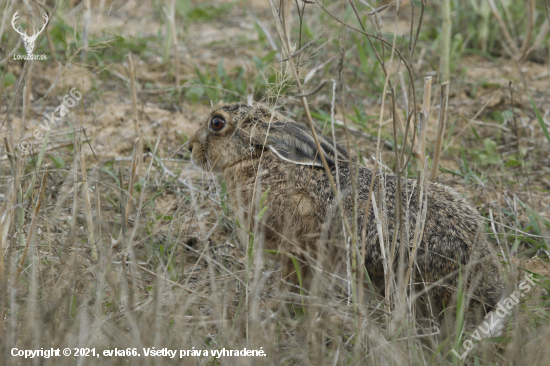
{"points": [[203, 162], [198, 161]]}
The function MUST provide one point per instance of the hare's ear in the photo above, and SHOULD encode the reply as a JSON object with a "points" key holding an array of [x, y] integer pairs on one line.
{"points": [[294, 144]]}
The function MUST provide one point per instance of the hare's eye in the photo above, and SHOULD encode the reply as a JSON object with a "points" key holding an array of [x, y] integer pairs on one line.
{"points": [[217, 123]]}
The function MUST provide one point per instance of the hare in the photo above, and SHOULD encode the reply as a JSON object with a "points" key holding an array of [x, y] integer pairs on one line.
{"points": [[257, 151]]}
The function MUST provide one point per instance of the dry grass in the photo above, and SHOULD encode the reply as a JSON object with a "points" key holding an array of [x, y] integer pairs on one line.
{"points": [[111, 242]]}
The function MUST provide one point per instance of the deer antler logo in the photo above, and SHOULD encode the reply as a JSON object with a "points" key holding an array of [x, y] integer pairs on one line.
{"points": [[29, 41]]}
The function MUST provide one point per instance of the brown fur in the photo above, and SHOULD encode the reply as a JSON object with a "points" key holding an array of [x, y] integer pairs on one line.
{"points": [[303, 220]]}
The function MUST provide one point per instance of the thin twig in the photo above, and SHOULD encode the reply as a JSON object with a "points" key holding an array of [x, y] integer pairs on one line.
{"points": [[380, 231], [306, 46], [30, 236], [404, 91], [86, 194], [75, 190], [539, 39], [446, 41], [310, 119], [530, 25], [317, 88], [86, 16], [268, 35], [441, 129], [423, 118], [376, 11], [141, 198], [137, 130], [507, 37], [421, 188], [133, 170], [11, 53], [515, 130]]}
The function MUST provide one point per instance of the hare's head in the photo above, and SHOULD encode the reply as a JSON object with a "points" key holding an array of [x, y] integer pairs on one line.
{"points": [[235, 132]]}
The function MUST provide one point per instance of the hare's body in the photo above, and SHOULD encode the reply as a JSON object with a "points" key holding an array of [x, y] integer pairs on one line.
{"points": [[302, 217]]}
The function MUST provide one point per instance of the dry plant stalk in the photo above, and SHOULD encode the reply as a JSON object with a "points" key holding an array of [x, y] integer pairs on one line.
{"points": [[8, 222], [399, 229], [6, 217], [86, 16], [530, 6], [141, 197], [286, 18], [86, 194], [404, 91], [9, 120], [50, 43], [364, 233], [171, 24], [130, 186], [7, 10], [123, 220], [286, 48], [100, 11], [75, 189], [494, 230], [129, 245], [423, 118], [174, 40], [24, 115], [27, 97], [446, 41], [26, 101], [137, 130], [5, 220], [377, 217], [509, 43], [419, 229], [30, 236], [440, 129]]}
